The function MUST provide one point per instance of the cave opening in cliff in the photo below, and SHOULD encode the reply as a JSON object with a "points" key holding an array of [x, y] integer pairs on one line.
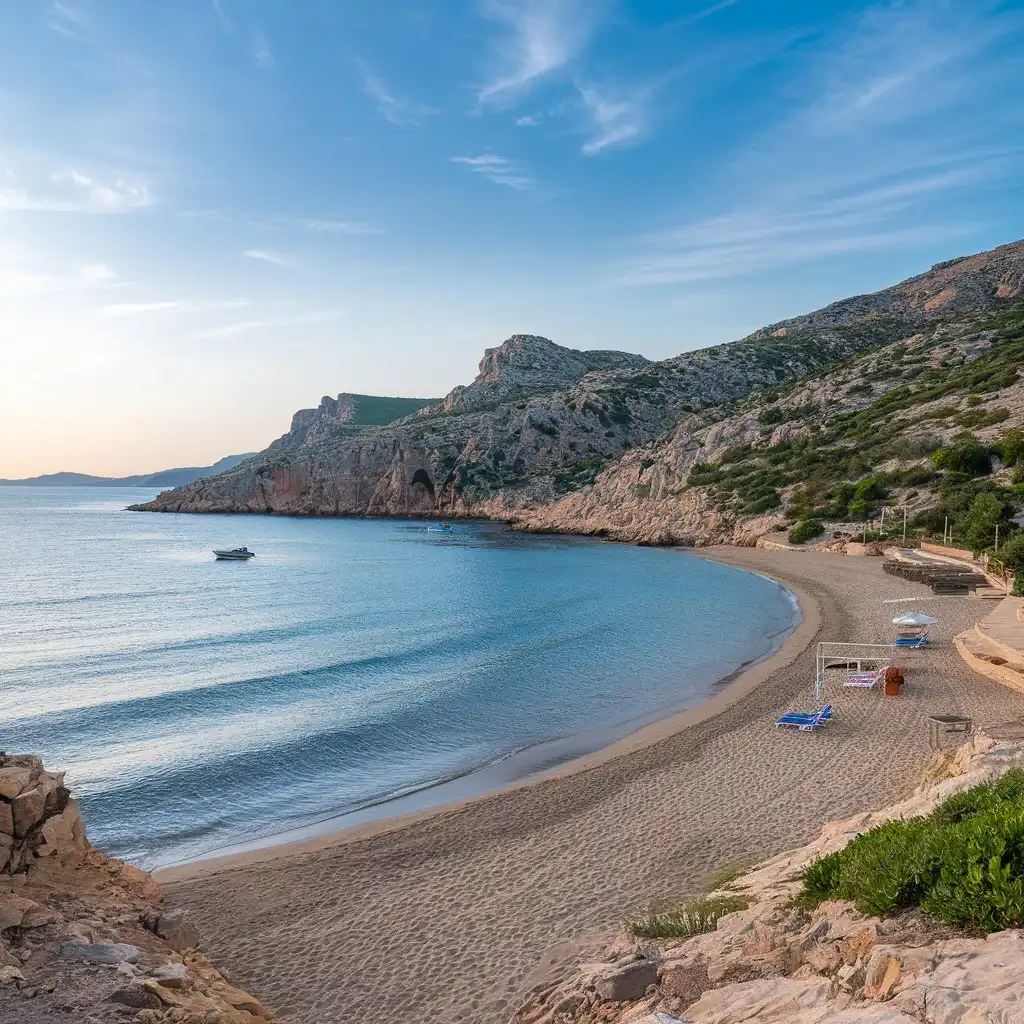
{"points": [[421, 476]]}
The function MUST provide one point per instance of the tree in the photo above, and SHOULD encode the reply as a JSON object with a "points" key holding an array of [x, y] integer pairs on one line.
{"points": [[985, 513]]}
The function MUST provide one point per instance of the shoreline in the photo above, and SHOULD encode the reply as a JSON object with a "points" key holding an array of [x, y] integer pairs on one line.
{"points": [[451, 915], [734, 687]]}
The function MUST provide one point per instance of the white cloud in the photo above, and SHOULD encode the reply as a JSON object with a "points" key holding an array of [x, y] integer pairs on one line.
{"points": [[615, 123], [74, 192], [905, 111], [133, 308], [398, 110], [268, 257], [261, 52], [497, 169], [66, 19], [168, 306], [527, 121], [545, 36], [18, 281], [691, 19], [249, 326], [222, 15], [340, 227]]}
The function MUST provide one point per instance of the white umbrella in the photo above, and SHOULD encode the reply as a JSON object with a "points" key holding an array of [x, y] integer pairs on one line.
{"points": [[914, 619]]}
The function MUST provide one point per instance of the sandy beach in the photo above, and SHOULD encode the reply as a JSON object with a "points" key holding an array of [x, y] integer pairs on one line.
{"points": [[446, 917]]}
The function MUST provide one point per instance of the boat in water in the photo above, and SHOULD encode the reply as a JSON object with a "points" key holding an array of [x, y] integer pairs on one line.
{"points": [[443, 528], [235, 554]]}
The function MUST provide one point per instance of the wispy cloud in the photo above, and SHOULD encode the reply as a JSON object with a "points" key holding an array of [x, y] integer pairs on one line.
{"points": [[168, 306], [706, 12], [222, 15], [753, 240], [906, 110], [396, 109], [616, 123], [498, 170], [340, 227], [249, 326], [269, 257], [544, 36], [261, 52], [18, 281], [527, 121], [66, 19], [74, 192]]}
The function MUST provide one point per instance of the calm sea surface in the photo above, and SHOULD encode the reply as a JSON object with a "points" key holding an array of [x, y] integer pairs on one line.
{"points": [[198, 705]]}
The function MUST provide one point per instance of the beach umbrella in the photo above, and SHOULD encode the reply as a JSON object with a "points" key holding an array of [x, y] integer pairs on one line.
{"points": [[914, 619]]}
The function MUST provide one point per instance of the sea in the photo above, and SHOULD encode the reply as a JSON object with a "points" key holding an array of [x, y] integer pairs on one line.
{"points": [[354, 669]]}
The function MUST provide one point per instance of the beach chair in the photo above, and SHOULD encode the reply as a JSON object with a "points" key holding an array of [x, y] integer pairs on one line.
{"points": [[806, 721], [865, 680], [916, 641]]}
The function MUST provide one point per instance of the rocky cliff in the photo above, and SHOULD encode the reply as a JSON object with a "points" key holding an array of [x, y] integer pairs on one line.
{"points": [[541, 422], [88, 938]]}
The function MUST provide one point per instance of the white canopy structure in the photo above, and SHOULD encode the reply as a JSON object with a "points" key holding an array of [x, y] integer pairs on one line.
{"points": [[914, 619], [834, 655]]}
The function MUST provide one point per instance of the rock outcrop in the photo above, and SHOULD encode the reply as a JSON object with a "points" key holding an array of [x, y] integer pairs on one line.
{"points": [[541, 422], [86, 937], [774, 963]]}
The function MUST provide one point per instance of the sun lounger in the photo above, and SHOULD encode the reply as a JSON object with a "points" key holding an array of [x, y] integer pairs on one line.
{"points": [[917, 641], [806, 721], [865, 680]]}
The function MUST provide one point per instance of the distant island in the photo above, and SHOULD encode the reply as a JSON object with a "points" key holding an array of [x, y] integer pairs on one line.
{"points": [[163, 478]]}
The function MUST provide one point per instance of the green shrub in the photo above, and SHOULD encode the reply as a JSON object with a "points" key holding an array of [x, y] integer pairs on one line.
{"points": [[692, 919], [965, 455], [1012, 553], [964, 864], [1018, 584], [805, 530]]}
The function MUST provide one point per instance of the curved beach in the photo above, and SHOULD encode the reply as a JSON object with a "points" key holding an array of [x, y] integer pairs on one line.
{"points": [[448, 915]]}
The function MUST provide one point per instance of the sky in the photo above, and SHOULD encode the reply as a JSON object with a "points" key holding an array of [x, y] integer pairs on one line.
{"points": [[212, 212]]}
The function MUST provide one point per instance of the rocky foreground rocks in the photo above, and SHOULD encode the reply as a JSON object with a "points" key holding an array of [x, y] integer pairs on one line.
{"points": [[772, 963], [85, 937]]}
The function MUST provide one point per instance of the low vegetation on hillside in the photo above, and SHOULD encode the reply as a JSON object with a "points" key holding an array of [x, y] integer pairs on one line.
{"points": [[920, 423], [963, 864]]}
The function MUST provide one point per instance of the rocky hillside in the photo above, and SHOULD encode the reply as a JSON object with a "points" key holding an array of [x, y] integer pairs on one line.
{"points": [[838, 445], [549, 436]]}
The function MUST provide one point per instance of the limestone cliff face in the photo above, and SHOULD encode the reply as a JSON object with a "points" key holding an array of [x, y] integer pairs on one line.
{"points": [[527, 364], [529, 436]]}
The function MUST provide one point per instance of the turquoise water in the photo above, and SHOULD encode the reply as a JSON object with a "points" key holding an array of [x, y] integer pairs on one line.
{"points": [[199, 704]]}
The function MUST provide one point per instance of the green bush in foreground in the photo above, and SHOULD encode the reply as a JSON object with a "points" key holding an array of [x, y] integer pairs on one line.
{"points": [[691, 919], [805, 530], [963, 864]]}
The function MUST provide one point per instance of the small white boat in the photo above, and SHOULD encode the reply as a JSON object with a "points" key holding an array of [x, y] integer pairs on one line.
{"points": [[443, 528], [235, 554]]}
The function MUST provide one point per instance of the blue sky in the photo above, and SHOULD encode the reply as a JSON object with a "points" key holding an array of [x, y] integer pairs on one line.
{"points": [[212, 212]]}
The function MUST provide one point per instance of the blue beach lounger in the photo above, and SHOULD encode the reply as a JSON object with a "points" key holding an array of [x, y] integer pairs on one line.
{"points": [[911, 641], [806, 721]]}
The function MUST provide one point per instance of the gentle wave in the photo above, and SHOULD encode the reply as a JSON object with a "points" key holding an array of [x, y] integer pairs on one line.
{"points": [[198, 705]]}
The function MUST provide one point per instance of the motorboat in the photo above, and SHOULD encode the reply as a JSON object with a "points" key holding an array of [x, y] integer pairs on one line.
{"points": [[235, 554], [443, 528]]}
